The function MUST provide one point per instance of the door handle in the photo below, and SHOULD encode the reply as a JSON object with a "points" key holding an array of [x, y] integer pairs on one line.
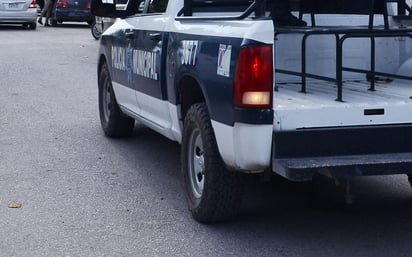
{"points": [[128, 33], [155, 36]]}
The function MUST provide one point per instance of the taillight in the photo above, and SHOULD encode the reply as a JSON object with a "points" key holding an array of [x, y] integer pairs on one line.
{"points": [[33, 4], [62, 4], [254, 77], [88, 4]]}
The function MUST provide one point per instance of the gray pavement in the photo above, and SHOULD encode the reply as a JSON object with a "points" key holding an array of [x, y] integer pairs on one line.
{"points": [[83, 194]]}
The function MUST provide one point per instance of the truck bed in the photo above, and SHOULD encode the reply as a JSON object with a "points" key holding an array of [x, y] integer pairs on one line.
{"points": [[390, 103]]}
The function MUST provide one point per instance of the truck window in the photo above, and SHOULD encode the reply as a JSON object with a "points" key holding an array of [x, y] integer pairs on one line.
{"points": [[157, 6], [220, 6]]}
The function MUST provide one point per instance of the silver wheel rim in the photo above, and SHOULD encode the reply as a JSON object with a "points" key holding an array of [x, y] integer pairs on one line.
{"points": [[106, 100], [96, 31], [196, 163]]}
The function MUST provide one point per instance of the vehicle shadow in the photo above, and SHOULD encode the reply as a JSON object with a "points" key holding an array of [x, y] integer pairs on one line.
{"points": [[314, 215], [305, 218], [17, 27]]}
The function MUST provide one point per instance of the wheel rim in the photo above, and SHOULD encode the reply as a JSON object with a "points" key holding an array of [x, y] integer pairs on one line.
{"points": [[196, 163], [106, 100], [96, 31]]}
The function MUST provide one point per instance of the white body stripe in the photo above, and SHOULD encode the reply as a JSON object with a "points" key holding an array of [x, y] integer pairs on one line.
{"points": [[126, 97], [159, 115]]}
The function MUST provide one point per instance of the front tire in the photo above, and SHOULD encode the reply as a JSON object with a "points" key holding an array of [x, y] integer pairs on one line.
{"points": [[213, 193], [114, 123]]}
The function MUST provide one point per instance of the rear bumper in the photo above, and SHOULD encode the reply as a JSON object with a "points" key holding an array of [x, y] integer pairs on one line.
{"points": [[29, 16], [73, 15], [343, 152]]}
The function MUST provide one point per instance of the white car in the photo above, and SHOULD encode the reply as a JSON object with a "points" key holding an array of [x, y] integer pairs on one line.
{"points": [[19, 12]]}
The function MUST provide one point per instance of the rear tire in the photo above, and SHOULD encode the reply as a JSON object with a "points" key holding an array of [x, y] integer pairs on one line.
{"points": [[213, 193], [409, 178], [114, 123]]}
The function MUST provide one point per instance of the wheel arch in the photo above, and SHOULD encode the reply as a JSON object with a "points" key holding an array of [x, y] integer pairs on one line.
{"points": [[190, 92], [102, 60]]}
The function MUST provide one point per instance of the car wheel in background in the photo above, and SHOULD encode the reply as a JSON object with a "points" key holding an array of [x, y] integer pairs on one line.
{"points": [[96, 31]]}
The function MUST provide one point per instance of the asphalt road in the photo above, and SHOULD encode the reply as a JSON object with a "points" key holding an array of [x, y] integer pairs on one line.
{"points": [[83, 194]]}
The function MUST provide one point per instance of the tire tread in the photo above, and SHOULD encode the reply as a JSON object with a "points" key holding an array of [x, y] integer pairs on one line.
{"points": [[118, 124], [223, 189]]}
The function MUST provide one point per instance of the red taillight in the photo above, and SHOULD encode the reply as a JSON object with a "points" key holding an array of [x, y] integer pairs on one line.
{"points": [[88, 4], [61, 4], [254, 77], [33, 4]]}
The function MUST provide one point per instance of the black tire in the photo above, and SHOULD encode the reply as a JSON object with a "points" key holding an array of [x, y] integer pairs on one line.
{"points": [[213, 193], [96, 31], [32, 26], [114, 123], [409, 178]]}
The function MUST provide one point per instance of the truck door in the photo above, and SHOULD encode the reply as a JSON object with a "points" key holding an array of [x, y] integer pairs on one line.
{"points": [[121, 60], [147, 34]]}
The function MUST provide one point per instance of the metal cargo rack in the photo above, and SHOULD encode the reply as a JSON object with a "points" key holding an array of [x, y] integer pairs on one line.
{"points": [[341, 33]]}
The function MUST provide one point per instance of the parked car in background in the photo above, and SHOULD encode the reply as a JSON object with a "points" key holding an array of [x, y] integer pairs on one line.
{"points": [[19, 12], [72, 10], [102, 23]]}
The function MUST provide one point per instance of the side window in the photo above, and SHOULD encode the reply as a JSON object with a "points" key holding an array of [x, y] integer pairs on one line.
{"points": [[157, 6]]}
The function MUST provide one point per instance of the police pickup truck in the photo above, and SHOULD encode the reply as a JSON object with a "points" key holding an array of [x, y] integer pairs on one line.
{"points": [[243, 94]]}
